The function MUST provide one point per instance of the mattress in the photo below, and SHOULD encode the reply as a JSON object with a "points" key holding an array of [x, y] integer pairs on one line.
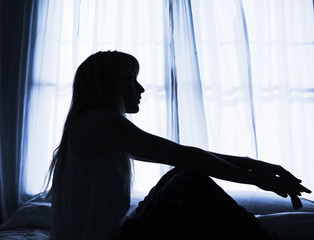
{"points": [[31, 221], [29, 233]]}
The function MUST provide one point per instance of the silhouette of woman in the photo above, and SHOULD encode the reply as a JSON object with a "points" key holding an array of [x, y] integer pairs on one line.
{"points": [[91, 170]]}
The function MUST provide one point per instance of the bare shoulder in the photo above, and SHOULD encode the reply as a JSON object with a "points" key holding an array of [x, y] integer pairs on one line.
{"points": [[93, 132]]}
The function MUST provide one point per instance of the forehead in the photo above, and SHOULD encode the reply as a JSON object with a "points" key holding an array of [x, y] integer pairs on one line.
{"points": [[128, 74], [133, 64], [132, 70], [130, 65]]}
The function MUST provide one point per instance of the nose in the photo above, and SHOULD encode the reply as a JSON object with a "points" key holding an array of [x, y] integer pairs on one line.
{"points": [[140, 88]]}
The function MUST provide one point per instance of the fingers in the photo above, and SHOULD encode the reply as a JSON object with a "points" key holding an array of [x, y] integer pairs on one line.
{"points": [[282, 194], [292, 187], [296, 202], [270, 185], [304, 189], [294, 190], [283, 188], [292, 180], [300, 188], [286, 174], [276, 179]]}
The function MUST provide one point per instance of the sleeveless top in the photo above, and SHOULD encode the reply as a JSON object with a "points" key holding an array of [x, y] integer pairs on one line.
{"points": [[91, 199]]}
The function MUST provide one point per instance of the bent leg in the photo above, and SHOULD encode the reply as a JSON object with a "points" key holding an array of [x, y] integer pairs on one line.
{"points": [[190, 205]]}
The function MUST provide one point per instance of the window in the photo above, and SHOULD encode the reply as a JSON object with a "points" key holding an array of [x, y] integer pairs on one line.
{"points": [[243, 71]]}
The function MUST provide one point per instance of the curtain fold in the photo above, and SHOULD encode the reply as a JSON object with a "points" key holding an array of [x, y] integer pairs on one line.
{"points": [[249, 77], [224, 59], [189, 96], [281, 37], [257, 81], [18, 34]]}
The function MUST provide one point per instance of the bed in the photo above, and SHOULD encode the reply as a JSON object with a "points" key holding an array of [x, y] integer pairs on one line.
{"points": [[31, 221]]}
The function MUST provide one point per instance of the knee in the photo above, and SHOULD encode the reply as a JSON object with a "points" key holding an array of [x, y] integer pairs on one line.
{"points": [[192, 176], [196, 181]]}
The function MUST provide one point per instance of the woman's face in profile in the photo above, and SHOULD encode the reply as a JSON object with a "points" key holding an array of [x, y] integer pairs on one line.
{"points": [[131, 90]]}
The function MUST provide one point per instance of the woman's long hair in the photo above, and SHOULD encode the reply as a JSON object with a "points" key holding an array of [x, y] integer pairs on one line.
{"points": [[96, 85]]}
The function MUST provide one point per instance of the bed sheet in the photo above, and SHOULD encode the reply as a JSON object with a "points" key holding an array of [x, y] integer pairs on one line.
{"points": [[277, 215], [32, 220], [30, 233], [292, 225]]}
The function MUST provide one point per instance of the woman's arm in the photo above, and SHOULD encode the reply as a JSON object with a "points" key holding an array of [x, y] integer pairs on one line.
{"points": [[147, 147], [274, 177], [143, 146]]}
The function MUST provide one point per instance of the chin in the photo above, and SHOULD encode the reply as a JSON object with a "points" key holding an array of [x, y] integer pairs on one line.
{"points": [[132, 110]]}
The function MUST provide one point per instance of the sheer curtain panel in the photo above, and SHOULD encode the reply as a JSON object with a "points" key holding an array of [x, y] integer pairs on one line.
{"points": [[17, 39], [255, 61], [68, 32]]}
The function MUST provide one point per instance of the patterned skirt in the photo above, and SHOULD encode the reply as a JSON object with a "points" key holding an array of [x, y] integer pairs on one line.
{"points": [[188, 204]]}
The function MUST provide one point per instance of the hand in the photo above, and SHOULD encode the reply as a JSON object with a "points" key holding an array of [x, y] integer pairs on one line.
{"points": [[275, 178]]}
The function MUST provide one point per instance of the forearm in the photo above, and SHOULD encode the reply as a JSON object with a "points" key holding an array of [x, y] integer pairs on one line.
{"points": [[214, 166], [243, 162], [147, 147]]}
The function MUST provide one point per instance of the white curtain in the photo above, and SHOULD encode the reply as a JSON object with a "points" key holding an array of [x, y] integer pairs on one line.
{"points": [[229, 76], [68, 32], [256, 69]]}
